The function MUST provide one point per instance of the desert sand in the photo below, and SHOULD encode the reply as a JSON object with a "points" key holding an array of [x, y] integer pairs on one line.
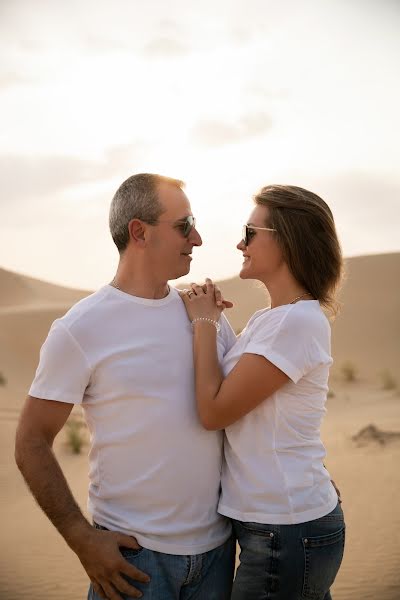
{"points": [[35, 562]]}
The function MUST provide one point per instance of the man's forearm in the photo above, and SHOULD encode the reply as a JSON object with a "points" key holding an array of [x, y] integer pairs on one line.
{"points": [[43, 474]]}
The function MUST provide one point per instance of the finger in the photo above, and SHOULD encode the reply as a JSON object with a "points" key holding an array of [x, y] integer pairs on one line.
{"points": [[217, 295], [123, 586], [197, 289], [133, 572], [210, 285], [185, 299], [99, 590], [111, 593], [227, 304], [128, 541]]}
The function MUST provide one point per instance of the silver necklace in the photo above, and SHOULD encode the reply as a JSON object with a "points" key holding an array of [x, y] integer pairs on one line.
{"points": [[299, 297], [116, 286]]}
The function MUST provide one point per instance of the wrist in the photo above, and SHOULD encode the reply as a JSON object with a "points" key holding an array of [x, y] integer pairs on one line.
{"points": [[76, 533], [207, 320]]}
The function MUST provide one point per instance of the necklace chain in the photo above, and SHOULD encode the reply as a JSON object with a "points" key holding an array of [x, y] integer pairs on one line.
{"points": [[299, 297], [115, 285]]}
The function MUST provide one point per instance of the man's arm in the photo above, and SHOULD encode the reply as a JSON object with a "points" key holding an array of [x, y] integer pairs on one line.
{"points": [[40, 422]]}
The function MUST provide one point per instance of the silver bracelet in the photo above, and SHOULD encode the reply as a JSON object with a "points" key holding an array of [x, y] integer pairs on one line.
{"points": [[207, 320]]}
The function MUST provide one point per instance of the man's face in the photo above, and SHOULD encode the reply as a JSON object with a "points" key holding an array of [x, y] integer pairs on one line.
{"points": [[169, 251]]}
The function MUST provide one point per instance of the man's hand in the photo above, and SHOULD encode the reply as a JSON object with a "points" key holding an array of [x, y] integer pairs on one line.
{"points": [[105, 565]]}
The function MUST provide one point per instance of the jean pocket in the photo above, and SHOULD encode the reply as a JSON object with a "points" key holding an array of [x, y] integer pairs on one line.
{"points": [[323, 556], [130, 552], [257, 529]]}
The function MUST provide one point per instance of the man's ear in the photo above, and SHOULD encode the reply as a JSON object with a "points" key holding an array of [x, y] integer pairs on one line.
{"points": [[137, 231]]}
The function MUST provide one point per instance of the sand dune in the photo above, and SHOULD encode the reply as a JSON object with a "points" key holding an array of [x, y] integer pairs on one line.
{"points": [[35, 563], [367, 331], [21, 290]]}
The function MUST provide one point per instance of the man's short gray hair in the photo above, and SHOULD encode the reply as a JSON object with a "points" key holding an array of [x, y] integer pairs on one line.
{"points": [[136, 198]]}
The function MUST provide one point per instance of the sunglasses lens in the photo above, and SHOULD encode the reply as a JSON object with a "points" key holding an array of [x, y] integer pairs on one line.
{"points": [[189, 224], [245, 238]]}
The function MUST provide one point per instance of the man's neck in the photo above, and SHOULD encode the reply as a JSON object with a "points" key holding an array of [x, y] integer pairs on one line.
{"points": [[139, 284]]}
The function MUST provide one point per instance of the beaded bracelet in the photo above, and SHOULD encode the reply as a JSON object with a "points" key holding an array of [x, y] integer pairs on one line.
{"points": [[207, 320]]}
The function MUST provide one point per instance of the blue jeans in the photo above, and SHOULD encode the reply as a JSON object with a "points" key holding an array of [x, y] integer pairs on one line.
{"points": [[206, 576], [289, 562]]}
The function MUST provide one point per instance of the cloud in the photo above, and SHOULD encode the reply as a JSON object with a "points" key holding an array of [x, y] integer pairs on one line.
{"points": [[219, 133], [165, 47], [12, 78], [102, 44], [23, 178]]}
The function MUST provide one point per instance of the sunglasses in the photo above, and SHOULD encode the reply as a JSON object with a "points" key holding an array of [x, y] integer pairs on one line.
{"points": [[184, 225], [249, 231]]}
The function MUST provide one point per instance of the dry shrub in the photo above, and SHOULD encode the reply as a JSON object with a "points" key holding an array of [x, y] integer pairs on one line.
{"points": [[349, 371], [75, 435], [388, 381]]}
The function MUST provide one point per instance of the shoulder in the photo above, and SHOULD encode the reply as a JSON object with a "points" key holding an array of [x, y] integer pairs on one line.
{"points": [[303, 319], [258, 318], [90, 306], [307, 316]]}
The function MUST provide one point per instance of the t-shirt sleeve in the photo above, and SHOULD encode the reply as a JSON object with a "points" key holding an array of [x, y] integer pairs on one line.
{"points": [[295, 343], [63, 372], [226, 337]]}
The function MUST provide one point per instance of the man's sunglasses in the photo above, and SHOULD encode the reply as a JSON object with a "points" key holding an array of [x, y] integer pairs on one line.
{"points": [[249, 231], [184, 225]]}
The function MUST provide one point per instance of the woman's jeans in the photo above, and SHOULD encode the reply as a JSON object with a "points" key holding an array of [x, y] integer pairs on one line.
{"points": [[289, 562]]}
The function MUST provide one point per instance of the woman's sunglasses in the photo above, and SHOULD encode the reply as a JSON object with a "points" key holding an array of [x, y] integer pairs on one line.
{"points": [[249, 231]]}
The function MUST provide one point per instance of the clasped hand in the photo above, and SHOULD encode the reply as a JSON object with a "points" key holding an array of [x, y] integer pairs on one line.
{"points": [[204, 301]]}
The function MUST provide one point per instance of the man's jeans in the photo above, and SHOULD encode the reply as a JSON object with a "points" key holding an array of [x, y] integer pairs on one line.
{"points": [[289, 562], [205, 576]]}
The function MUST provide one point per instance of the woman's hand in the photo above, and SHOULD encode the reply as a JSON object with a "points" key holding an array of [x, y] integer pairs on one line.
{"points": [[204, 301]]}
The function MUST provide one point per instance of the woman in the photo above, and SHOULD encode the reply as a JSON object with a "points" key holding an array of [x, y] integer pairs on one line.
{"points": [[269, 395]]}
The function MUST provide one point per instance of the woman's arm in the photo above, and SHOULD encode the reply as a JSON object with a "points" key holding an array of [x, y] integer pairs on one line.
{"points": [[220, 401]]}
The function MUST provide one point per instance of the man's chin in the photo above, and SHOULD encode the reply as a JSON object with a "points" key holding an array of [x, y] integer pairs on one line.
{"points": [[181, 273]]}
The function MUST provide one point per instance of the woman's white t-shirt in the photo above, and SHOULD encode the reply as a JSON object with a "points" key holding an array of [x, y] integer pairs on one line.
{"points": [[273, 471]]}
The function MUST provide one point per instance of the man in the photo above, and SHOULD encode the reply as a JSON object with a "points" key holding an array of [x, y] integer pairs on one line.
{"points": [[125, 354]]}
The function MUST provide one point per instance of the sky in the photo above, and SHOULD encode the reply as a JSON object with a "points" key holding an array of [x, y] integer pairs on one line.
{"points": [[226, 95]]}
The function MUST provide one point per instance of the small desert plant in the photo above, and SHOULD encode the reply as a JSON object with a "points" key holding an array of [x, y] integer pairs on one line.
{"points": [[75, 436], [3, 380], [388, 381], [349, 371]]}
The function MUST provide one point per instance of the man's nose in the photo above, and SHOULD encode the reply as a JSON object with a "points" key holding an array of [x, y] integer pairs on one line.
{"points": [[241, 245], [195, 237]]}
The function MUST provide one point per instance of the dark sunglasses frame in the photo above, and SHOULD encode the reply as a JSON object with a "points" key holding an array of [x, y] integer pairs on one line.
{"points": [[184, 225], [248, 230]]}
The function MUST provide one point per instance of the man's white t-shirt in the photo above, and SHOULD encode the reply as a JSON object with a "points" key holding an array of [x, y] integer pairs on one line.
{"points": [[154, 471], [273, 470]]}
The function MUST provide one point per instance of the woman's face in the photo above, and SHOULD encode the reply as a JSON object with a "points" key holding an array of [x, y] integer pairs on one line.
{"points": [[262, 256]]}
